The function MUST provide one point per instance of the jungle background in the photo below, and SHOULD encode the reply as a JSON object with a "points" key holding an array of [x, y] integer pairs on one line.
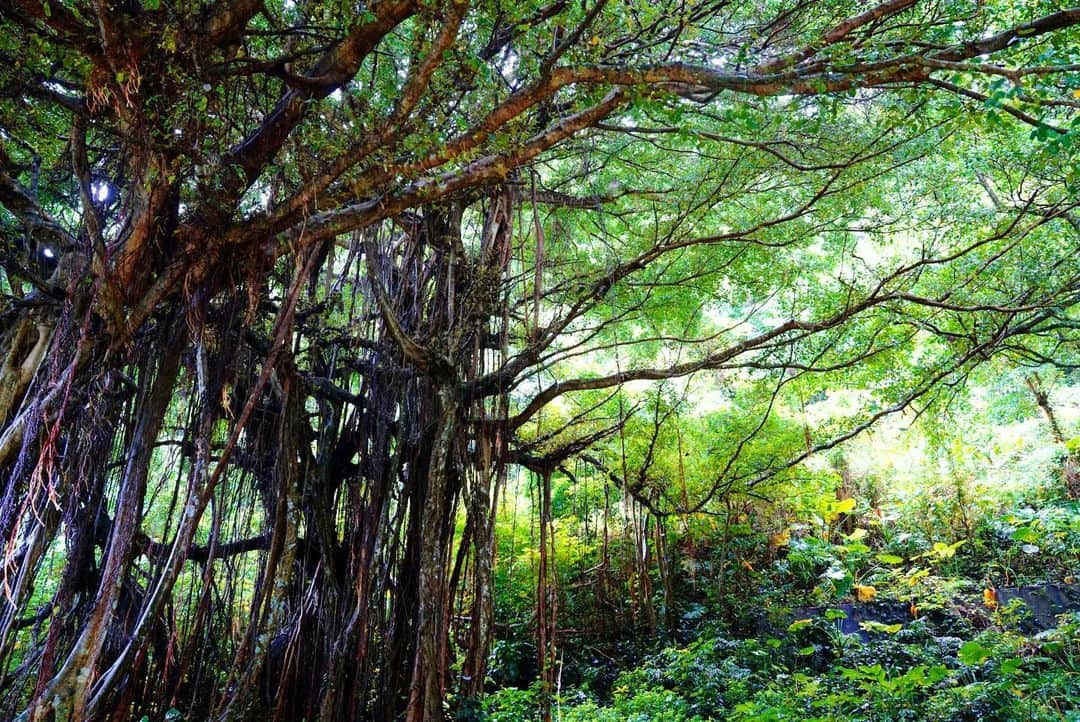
{"points": [[557, 360]]}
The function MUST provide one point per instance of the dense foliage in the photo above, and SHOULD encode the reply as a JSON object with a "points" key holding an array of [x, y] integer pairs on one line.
{"points": [[912, 619], [322, 320]]}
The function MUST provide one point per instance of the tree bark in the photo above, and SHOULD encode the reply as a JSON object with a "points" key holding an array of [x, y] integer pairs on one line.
{"points": [[66, 694], [1070, 468], [428, 684]]}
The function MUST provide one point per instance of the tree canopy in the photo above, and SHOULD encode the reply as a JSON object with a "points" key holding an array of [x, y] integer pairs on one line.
{"points": [[292, 288]]}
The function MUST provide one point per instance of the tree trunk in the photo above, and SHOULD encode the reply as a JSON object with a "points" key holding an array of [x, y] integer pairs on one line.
{"points": [[66, 694], [429, 684], [546, 607], [1071, 465]]}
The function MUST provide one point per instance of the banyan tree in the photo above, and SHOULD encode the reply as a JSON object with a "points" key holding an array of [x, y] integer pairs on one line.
{"points": [[292, 289]]}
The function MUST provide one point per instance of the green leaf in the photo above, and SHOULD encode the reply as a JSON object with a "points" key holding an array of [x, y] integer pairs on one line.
{"points": [[916, 575], [946, 551], [889, 558], [1011, 666], [937, 673], [843, 507], [1025, 534], [1053, 646], [843, 585], [972, 653], [858, 534]]}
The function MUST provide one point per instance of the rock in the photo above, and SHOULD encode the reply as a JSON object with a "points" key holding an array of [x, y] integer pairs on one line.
{"points": [[1043, 604]]}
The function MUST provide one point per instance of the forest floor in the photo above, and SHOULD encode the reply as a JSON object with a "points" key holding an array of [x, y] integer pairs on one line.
{"points": [[985, 627]]}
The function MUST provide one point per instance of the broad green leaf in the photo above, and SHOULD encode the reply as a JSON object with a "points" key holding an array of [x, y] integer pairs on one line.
{"points": [[972, 653], [1025, 534]]}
